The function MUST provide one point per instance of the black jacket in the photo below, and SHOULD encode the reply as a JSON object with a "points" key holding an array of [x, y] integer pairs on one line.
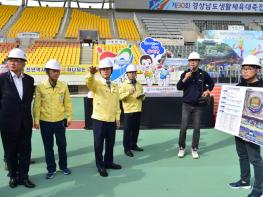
{"points": [[15, 112], [258, 83], [192, 88]]}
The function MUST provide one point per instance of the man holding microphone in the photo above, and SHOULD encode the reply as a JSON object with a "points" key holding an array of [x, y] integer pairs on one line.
{"points": [[195, 84]]}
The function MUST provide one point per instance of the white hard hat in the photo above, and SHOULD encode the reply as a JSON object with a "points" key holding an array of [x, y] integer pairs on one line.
{"points": [[194, 56], [53, 64], [251, 60], [106, 63], [17, 53], [131, 68]]}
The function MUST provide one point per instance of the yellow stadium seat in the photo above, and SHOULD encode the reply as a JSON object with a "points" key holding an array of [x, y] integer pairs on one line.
{"points": [[5, 13], [4, 49], [41, 51], [45, 21], [127, 30], [81, 20]]}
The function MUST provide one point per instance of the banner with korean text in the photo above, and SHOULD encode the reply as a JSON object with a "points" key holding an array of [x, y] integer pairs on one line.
{"points": [[69, 70], [206, 6]]}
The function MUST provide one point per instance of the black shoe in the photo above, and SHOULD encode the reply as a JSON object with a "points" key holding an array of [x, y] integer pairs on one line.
{"points": [[27, 183], [128, 153], [255, 193], [103, 172], [136, 148], [12, 182], [240, 184], [114, 166]]}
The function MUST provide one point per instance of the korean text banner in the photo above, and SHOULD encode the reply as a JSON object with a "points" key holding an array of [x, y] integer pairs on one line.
{"points": [[69, 70], [206, 6]]}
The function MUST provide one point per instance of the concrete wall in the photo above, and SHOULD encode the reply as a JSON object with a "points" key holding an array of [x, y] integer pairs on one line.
{"points": [[132, 4]]}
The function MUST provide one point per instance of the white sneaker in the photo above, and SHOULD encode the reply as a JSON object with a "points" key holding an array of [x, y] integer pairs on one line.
{"points": [[195, 154], [181, 152]]}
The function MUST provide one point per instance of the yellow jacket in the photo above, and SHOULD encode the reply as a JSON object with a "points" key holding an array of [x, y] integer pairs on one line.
{"points": [[131, 103], [50, 104], [106, 104]]}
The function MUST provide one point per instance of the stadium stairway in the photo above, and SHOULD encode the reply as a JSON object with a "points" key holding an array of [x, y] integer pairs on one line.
{"points": [[24, 44], [64, 24], [140, 27], [86, 55], [113, 25], [12, 20]]}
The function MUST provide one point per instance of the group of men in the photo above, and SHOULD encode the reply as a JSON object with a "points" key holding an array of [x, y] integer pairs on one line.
{"points": [[52, 113], [196, 84]]}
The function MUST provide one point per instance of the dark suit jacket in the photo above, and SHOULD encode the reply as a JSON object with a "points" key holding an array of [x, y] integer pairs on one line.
{"points": [[14, 112]]}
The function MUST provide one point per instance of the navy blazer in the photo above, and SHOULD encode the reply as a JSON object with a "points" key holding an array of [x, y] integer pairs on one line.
{"points": [[14, 112]]}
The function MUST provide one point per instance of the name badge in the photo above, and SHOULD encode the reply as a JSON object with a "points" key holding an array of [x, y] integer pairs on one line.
{"points": [[61, 98]]}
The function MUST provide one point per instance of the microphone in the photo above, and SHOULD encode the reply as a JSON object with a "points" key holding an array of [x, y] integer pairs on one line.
{"points": [[190, 70], [133, 82]]}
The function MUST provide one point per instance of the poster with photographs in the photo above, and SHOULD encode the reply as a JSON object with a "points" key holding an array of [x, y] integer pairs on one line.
{"points": [[240, 113], [251, 126]]}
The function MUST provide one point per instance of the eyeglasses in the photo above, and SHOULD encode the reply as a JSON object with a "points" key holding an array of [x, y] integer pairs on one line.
{"points": [[248, 69]]}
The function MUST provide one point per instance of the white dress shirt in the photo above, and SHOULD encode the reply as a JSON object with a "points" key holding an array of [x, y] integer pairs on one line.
{"points": [[18, 83]]}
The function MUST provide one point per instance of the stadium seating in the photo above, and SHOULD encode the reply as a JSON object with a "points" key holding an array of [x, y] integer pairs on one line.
{"points": [[259, 23], [46, 21], [127, 29], [164, 27], [181, 51], [5, 48], [81, 20], [5, 13], [215, 24], [67, 53]]}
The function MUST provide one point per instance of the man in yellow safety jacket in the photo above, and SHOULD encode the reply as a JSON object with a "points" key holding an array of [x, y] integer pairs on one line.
{"points": [[131, 95], [106, 115], [52, 114]]}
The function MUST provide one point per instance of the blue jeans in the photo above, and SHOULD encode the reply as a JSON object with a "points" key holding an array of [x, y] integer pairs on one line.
{"points": [[250, 153], [189, 111], [48, 130]]}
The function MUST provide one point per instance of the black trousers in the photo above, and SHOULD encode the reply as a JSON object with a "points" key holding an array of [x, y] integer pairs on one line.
{"points": [[104, 133], [17, 147], [249, 153], [131, 130]]}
